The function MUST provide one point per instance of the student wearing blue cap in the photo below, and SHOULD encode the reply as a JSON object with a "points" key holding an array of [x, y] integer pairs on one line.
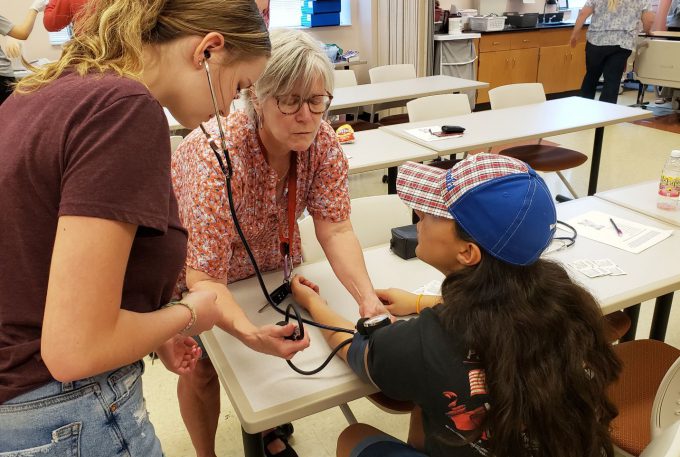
{"points": [[512, 359]]}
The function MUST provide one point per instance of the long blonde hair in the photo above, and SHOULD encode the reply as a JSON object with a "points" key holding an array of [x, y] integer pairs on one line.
{"points": [[109, 35]]}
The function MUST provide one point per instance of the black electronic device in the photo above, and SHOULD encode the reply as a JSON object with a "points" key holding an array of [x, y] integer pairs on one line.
{"points": [[280, 293], [452, 129], [295, 336], [404, 241], [368, 325]]}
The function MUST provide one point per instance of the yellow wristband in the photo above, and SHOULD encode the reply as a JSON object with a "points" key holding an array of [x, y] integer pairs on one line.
{"points": [[191, 309], [418, 303]]}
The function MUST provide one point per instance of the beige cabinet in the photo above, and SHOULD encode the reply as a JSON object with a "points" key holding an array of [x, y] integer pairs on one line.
{"points": [[561, 68], [530, 56]]}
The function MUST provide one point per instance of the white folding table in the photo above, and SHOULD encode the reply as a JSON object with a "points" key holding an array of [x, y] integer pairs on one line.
{"points": [[265, 392], [406, 89], [528, 122]]}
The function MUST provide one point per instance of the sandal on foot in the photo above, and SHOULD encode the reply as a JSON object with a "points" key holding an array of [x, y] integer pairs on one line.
{"points": [[274, 435]]}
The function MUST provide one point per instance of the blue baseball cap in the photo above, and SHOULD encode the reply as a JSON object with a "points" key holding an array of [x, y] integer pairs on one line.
{"points": [[499, 201]]}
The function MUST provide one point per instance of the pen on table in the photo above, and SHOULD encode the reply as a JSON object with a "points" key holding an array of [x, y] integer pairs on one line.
{"points": [[618, 230]]}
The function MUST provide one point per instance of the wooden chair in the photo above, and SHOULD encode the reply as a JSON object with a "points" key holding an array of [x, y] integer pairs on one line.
{"points": [[647, 394], [539, 156]]}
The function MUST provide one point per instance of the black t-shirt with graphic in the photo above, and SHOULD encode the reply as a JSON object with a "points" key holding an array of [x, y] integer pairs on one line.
{"points": [[416, 360]]}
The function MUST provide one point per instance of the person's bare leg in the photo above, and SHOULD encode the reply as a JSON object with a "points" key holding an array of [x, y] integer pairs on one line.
{"points": [[199, 403], [352, 436]]}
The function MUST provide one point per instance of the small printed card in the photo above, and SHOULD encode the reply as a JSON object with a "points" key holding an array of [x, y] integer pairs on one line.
{"points": [[596, 268]]}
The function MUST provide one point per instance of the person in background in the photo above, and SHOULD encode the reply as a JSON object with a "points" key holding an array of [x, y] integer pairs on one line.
{"points": [[512, 359], [263, 6], [19, 32], [60, 13], [286, 159], [611, 38], [94, 245]]}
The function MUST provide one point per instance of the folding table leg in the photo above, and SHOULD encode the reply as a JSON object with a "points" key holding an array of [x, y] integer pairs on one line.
{"points": [[252, 444], [662, 309], [349, 415], [633, 313]]}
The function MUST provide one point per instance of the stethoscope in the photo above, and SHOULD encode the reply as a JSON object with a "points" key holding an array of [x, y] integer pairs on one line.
{"points": [[284, 290]]}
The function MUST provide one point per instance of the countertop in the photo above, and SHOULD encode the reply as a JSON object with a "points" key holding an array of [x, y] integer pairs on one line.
{"points": [[549, 26]]}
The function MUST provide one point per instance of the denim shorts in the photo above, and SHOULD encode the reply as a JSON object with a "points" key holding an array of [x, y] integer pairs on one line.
{"points": [[384, 446], [100, 416]]}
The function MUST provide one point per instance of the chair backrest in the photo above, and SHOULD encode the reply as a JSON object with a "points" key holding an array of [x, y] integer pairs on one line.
{"points": [[175, 141], [516, 95], [371, 217], [392, 73], [344, 78], [666, 406], [667, 444], [435, 106]]}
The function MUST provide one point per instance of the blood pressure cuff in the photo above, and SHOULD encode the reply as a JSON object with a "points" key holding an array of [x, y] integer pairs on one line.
{"points": [[356, 356]]}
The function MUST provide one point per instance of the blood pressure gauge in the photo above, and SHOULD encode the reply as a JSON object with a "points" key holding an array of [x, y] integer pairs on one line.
{"points": [[368, 325]]}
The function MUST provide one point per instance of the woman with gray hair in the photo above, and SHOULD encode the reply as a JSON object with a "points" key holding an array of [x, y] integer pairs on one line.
{"points": [[285, 159]]}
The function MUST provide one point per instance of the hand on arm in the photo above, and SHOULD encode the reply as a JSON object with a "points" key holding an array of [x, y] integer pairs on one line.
{"points": [[85, 331], [402, 303], [268, 339], [347, 260], [648, 21], [306, 294]]}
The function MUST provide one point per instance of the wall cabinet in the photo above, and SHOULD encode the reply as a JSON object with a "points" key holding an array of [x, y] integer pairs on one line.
{"points": [[543, 56]]}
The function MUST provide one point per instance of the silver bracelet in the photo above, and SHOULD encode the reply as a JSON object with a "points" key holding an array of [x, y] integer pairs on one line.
{"points": [[188, 306]]}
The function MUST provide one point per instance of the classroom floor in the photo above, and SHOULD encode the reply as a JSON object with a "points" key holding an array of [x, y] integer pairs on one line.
{"points": [[631, 153]]}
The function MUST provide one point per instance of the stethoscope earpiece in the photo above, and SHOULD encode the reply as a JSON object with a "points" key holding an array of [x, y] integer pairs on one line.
{"points": [[206, 54]]}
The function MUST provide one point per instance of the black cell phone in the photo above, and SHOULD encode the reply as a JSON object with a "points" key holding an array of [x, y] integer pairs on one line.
{"points": [[452, 129]]}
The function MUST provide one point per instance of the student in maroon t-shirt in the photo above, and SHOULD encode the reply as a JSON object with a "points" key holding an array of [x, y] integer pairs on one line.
{"points": [[92, 244]]}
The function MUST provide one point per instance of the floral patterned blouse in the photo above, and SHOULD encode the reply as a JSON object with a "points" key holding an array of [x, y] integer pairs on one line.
{"points": [[619, 27], [214, 246]]}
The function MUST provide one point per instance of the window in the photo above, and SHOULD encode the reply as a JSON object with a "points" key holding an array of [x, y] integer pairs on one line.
{"points": [[287, 13], [60, 37]]}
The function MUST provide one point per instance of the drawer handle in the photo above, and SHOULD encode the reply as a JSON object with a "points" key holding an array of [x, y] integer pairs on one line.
{"points": [[525, 41], [494, 43]]}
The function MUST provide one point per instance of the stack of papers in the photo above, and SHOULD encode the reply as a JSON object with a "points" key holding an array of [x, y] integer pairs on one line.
{"points": [[596, 268], [631, 236]]}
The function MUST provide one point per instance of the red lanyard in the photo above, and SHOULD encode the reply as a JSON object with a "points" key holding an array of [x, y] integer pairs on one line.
{"points": [[287, 241]]}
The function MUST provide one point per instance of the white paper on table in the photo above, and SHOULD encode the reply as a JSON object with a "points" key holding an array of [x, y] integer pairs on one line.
{"points": [[426, 133], [635, 237], [433, 287], [596, 268]]}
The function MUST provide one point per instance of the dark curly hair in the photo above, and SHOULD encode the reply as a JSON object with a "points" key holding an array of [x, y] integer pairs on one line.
{"points": [[548, 363]]}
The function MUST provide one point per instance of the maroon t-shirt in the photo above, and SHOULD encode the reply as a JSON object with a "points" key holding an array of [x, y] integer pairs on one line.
{"points": [[94, 146]]}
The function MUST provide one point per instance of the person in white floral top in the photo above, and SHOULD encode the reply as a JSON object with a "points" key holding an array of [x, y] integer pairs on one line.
{"points": [[611, 39]]}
